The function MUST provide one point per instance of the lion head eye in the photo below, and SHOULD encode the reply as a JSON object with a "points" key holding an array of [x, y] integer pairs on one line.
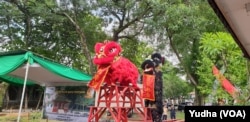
{"points": [[102, 48], [112, 50]]}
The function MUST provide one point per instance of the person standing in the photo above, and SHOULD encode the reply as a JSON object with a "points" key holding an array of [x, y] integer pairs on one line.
{"points": [[148, 68], [158, 110], [172, 112], [153, 67], [165, 112]]}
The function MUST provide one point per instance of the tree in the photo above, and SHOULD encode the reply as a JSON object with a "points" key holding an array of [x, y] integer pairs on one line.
{"points": [[3, 87], [181, 28], [174, 85], [220, 49], [68, 30], [47, 28], [136, 51], [56, 33], [127, 18]]}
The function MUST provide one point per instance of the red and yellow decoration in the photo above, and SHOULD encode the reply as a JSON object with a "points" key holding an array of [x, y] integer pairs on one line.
{"points": [[148, 87], [99, 77], [112, 67], [224, 82]]}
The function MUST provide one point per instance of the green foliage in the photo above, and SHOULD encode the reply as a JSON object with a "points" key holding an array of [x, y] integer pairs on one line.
{"points": [[42, 27], [183, 23], [135, 51], [34, 116], [3, 88], [220, 49], [174, 85]]}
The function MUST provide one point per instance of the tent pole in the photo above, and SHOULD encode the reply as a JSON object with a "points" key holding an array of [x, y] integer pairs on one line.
{"points": [[44, 105], [24, 86], [96, 97]]}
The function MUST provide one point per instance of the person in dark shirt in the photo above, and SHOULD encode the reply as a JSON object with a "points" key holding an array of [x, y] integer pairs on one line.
{"points": [[157, 110], [172, 112]]}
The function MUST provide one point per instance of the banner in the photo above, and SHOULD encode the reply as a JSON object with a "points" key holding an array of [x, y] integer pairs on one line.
{"points": [[148, 87], [99, 78], [224, 82], [67, 104]]}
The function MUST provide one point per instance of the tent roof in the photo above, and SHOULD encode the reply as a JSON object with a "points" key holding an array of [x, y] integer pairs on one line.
{"points": [[234, 14], [41, 71]]}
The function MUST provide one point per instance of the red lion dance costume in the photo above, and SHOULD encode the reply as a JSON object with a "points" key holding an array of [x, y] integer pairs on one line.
{"points": [[112, 67]]}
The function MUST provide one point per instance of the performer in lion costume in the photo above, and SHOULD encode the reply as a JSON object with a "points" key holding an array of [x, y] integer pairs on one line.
{"points": [[153, 84], [112, 67]]}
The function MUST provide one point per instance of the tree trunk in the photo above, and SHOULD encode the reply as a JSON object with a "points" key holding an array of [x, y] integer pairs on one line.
{"points": [[199, 100], [39, 101], [7, 98], [86, 51]]}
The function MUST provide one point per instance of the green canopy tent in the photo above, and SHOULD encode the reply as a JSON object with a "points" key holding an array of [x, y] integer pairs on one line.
{"points": [[26, 68]]}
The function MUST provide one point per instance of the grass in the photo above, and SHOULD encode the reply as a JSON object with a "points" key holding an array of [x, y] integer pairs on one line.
{"points": [[24, 117], [180, 115]]}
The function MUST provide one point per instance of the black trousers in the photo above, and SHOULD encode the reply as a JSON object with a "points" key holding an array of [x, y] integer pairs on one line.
{"points": [[164, 117]]}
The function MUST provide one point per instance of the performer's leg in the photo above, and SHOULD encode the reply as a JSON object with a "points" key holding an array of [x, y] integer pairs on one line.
{"points": [[146, 102], [156, 116]]}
